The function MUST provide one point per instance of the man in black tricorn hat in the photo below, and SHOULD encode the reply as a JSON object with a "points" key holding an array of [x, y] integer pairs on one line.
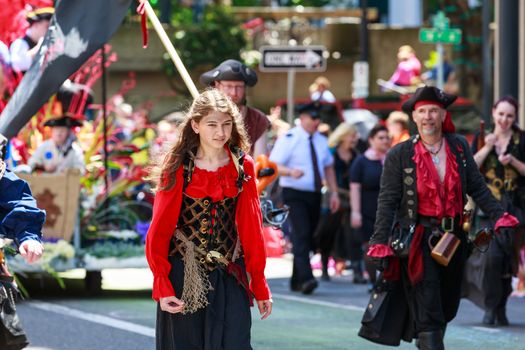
{"points": [[304, 160], [424, 188], [25, 48], [61, 151], [232, 77]]}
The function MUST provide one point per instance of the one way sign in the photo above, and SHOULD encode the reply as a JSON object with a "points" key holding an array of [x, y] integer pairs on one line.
{"points": [[299, 58]]}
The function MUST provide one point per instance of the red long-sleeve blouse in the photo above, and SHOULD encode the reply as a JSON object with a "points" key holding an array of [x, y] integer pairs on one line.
{"points": [[216, 184]]}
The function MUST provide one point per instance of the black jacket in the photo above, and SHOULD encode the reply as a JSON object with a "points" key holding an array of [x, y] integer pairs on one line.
{"points": [[397, 201]]}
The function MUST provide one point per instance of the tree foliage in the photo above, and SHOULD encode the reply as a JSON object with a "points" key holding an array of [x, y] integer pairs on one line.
{"points": [[466, 56], [217, 37]]}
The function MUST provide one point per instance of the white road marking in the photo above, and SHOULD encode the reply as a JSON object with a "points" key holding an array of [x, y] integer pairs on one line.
{"points": [[318, 302], [150, 332], [305, 300], [95, 318], [486, 329]]}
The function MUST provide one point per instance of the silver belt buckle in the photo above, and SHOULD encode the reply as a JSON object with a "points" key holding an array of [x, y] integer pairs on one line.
{"points": [[447, 224]]}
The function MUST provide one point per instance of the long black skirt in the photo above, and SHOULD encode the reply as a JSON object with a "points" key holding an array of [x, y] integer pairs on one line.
{"points": [[224, 324]]}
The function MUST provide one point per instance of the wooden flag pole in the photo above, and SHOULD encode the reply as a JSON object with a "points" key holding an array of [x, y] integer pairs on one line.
{"points": [[171, 49]]}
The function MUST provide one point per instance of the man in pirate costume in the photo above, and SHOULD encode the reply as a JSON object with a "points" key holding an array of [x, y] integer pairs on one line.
{"points": [[424, 186], [206, 233], [21, 222], [232, 77], [61, 151], [25, 48]]}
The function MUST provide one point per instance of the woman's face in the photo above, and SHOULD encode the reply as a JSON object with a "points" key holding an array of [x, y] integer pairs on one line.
{"points": [[380, 142], [214, 130], [504, 116], [349, 141]]}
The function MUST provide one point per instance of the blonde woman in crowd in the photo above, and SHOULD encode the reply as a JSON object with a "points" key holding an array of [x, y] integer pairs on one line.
{"points": [[334, 235], [397, 125]]}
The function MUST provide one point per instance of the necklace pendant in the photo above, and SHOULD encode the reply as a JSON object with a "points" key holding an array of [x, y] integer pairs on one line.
{"points": [[435, 159]]}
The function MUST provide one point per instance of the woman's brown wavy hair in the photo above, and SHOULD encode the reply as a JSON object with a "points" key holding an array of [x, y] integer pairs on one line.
{"points": [[162, 172]]}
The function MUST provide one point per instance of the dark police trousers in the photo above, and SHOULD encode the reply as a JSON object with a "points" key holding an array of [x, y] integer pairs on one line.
{"points": [[304, 214]]}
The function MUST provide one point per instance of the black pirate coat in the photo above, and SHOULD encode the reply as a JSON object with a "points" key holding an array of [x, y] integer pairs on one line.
{"points": [[398, 196]]}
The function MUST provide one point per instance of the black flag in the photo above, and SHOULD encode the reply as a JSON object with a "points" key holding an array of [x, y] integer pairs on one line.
{"points": [[78, 28]]}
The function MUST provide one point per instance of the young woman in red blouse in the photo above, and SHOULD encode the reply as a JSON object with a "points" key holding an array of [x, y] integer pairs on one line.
{"points": [[206, 233]]}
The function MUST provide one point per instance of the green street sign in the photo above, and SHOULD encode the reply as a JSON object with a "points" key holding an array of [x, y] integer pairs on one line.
{"points": [[440, 33], [450, 36], [434, 36], [428, 35], [440, 21]]}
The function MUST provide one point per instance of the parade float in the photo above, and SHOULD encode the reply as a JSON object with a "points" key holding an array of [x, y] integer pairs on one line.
{"points": [[97, 219]]}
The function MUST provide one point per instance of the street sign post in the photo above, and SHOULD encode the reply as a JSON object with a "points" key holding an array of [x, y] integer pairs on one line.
{"points": [[360, 83], [300, 58], [292, 59], [440, 34], [434, 36]]}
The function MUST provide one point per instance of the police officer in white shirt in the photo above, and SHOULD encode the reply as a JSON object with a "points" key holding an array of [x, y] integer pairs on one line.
{"points": [[304, 160]]}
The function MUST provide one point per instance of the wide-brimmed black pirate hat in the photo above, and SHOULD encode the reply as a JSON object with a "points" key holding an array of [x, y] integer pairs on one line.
{"points": [[69, 122], [428, 94], [313, 109], [74, 99], [40, 14], [230, 70]]}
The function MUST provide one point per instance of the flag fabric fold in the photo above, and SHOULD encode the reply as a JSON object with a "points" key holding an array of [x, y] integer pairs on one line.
{"points": [[76, 31]]}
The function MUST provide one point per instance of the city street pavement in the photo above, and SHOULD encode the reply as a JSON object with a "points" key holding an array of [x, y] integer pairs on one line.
{"points": [[123, 317]]}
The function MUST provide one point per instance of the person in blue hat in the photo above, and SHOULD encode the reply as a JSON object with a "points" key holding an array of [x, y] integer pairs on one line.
{"points": [[304, 160]]}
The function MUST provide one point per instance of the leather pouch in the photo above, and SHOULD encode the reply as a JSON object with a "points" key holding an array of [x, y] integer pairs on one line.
{"points": [[401, 239], [445, 248]]}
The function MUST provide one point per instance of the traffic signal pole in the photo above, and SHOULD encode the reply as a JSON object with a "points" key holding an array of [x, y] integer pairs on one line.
{"points": [[487, 81], [507, 37]]}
